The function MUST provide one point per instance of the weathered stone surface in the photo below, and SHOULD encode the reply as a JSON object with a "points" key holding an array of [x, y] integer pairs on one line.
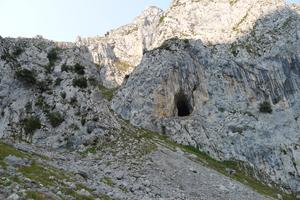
{"points": [[16, 161], [201, 89], [213, 22], [220, 87], [48, 87], [121, 49]]}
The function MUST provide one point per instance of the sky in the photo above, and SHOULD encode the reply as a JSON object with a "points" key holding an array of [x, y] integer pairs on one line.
{"points": [[64, 20]]}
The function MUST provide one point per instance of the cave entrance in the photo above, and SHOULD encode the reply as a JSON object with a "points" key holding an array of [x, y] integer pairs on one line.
{"points": [[182, 104]]}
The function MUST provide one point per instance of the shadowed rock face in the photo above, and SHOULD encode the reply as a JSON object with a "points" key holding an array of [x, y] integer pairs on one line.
{"points": [[221, 87]]}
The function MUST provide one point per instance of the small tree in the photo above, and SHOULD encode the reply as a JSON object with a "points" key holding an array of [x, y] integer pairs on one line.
{"points": [[79, 69], [55, 119], [31, 124], [80, 82], [265, 107], [52, 56], [26, 76]]}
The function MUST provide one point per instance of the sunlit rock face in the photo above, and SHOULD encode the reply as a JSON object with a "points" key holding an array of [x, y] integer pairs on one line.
{"points": [[207, 92], [120, 50], [214, 22], [198, 73], [49, 94]]}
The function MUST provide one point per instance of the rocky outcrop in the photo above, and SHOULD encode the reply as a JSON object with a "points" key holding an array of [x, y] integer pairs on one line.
{"points": [[66, 143], [120, 50], [228, 89], [49, 95], [213, 22], [212, 96]]}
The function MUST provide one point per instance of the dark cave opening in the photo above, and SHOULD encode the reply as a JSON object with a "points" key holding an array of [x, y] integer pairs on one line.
{"points": [[182, 104]]}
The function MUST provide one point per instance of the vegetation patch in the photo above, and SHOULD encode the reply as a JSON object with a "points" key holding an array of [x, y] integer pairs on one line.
{"points": [[31, 124], [52, 56], [65, 68], [58, 81], [7, 150], [106, 92], [25, 75], [93, 81], [10, 57], [122, 65], [63, 95], [161, 19], [79, 69], [41, 175], [55, 119], [36, 195], [241, 174], [80, 82], [42, 104], [18, 51], [106, 180], [134, 29], [265, 107]]}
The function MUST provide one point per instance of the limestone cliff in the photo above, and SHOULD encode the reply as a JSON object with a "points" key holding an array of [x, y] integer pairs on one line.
{"points": [[214, 22], [121, 49], [219, 77], [232, 91], [60, 140]]}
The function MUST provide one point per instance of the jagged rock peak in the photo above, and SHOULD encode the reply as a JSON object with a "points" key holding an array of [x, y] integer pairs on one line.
{"points": [[230, 2], [215, 21], [148, 12]]}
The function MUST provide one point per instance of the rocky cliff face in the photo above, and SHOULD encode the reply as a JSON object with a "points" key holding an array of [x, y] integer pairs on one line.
{"points": [[232, 91], [50, 91], [122, 49], [214, 22], [65, 142], [219, 76]]}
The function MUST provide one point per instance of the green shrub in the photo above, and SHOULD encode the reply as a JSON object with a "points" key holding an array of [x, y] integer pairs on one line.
{"points": [[52, 56], [63, 95], [80, 82], [106, 92], [7, 56], [42, 104], [73, 101], [55, 119], [58, 81], [93, 81], [79, 69], [83, 121], [49, 68], [161, 19], [265, 107], [26, 76], [122, 65], [31, 124], [18, 51], [65, 68], [74, 127], [44, 85]]}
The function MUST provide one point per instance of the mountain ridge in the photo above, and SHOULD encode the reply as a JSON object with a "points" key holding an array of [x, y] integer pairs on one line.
{"points": [[226, 90]]}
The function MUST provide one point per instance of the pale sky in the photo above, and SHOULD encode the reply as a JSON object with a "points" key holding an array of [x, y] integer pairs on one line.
{"points": [[63, 20]]}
